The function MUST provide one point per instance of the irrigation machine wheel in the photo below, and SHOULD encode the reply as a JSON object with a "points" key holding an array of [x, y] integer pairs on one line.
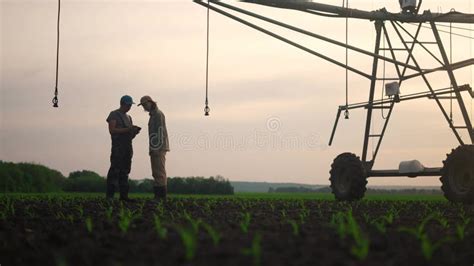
{"points": [[348, 177], [458, 175]]}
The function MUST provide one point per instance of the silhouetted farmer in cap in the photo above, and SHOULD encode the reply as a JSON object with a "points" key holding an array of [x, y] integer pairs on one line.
{"points": [[159, 145], [122, 131]]}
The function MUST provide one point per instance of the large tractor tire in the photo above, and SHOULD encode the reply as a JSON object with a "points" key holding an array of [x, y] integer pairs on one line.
{"points": [[348, 177], [458, 175]]}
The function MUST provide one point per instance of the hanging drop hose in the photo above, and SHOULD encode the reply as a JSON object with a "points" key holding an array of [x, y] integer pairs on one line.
{"points": [[450, 62], [55, 98], [206, 108], [383, 83], [346, 112], [470, 53]]}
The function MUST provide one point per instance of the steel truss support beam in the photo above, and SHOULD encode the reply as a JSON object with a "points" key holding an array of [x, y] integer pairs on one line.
{"points": [[368, 123], [425, 79], [454, 83]]}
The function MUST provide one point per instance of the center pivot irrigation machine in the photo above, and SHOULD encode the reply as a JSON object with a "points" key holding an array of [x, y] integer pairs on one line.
{"points": [[349, 172]]}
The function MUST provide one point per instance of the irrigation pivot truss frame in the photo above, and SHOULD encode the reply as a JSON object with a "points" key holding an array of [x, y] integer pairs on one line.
{"points": [[349, 172]]}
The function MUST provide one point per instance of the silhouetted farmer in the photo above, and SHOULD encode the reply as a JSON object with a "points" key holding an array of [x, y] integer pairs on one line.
{"points": [[122, 131], [159, 145]]}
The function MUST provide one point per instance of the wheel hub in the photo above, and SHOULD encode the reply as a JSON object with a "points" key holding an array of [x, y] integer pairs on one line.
{"points": [[343, 182], [462, 180]]}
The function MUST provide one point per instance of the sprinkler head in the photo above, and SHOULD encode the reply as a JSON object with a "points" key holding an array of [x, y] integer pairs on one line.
{"points": [[55, 101], [346, 114]]}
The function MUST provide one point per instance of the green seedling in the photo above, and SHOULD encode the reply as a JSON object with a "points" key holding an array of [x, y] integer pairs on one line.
{"points": [[160, 209], [245, 223], [304, 214], [139, 211], [366, 217], [60, 215], [89, 225], [346, 225], [126, 217], [189, 239], [294, 227], [215, 236], [381, 223], [461, 228], [159, 228], [207, 208], [70, 218], [29, 213], [8, 210], [80, 210], [194, 222], [338, 222], [427, 247], [255, 251], [439, 217], [196, 204], [108, 213], [272, 206]]}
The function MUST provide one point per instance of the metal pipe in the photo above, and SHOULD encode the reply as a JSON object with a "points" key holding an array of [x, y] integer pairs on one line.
{"points": [[382, 14], [435, 171], [413, 96], [454, 66], [338, 115]]}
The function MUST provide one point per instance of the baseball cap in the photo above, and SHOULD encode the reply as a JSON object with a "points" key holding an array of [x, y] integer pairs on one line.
{"points": [[145, 99], [126, 100]]}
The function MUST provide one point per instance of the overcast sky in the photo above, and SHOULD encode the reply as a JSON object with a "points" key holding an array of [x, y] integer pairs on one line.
{"points": [[272, 105]]}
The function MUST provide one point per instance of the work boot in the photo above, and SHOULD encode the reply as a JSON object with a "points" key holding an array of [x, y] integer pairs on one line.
{"points": [[160, 193], [124, 194], [110, 191]]}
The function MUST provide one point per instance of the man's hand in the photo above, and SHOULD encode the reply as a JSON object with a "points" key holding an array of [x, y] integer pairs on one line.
{"points": [[135, 130]]}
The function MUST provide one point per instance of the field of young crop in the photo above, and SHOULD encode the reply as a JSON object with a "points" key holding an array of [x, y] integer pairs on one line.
{"points": [[253, 229]]}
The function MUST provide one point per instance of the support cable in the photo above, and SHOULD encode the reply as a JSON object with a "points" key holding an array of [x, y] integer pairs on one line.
{"points": [[443, 31], [346, 112], [371, 128], [470, 55], [454, 27], [451, 62], [55, 98], [206, 108]]}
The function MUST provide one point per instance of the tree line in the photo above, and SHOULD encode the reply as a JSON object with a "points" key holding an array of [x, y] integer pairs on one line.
{"points": [[28, 177]]}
